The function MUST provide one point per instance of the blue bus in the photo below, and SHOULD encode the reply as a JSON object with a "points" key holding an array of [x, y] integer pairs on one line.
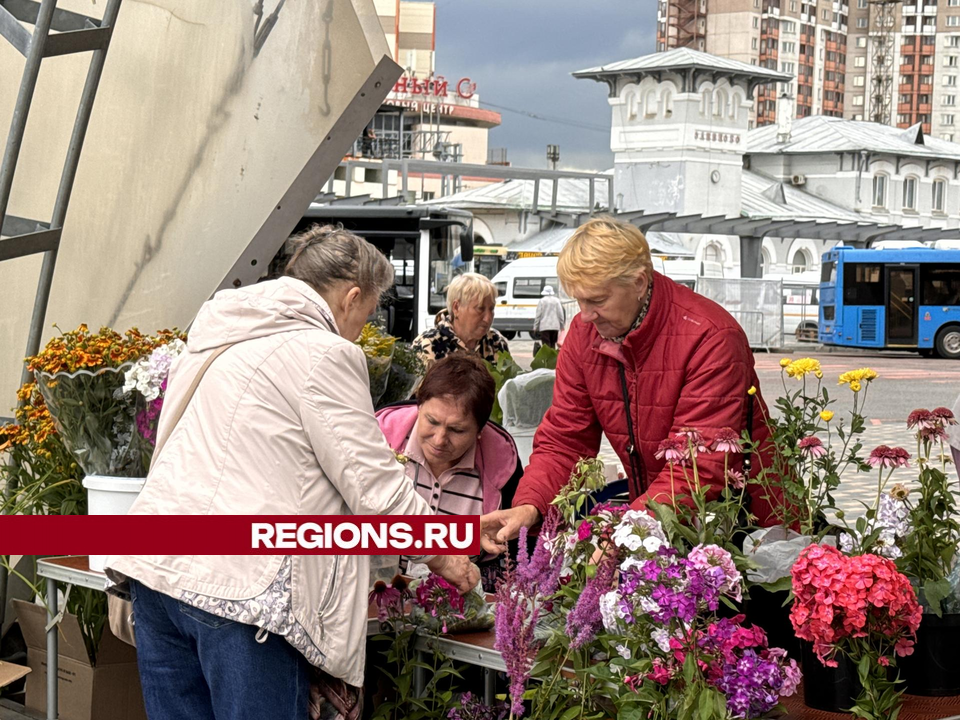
{"points": [[891, 298]]}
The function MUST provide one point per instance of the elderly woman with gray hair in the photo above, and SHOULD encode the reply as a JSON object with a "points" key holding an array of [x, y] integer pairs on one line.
{"points": [[467, 323], [268, 412]]}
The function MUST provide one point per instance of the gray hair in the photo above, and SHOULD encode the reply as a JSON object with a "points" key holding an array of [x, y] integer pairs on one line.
{"points": [[469, 287], [324, 256]]}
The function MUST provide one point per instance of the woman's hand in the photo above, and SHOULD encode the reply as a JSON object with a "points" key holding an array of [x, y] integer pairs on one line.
{"points": [[457, 570], [500, 526]]}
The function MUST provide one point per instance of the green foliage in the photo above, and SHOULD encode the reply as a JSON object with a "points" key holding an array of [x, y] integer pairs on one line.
{"points": [[504, 369], [546, 358]]}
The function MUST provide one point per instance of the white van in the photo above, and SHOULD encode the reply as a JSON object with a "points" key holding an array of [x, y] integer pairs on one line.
{"points": [[519, 285]]}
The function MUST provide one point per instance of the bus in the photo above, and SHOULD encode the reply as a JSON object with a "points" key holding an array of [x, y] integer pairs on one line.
{"points": [[427, 245], [891, 298]]}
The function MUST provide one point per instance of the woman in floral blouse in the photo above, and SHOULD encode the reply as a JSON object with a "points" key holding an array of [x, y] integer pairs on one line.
{"points": [[466, 324]]}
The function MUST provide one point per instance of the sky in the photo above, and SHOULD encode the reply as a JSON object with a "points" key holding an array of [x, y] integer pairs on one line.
{"points": [[520, 53]]}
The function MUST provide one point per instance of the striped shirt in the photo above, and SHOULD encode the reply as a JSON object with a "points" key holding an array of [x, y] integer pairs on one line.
{"points": [[457, 491]]}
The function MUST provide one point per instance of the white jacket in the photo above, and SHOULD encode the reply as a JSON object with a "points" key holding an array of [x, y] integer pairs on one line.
{"points": [[280, 424]]}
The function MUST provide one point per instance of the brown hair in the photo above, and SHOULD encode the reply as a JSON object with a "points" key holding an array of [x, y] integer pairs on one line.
{"points": [[463, 378], [324, 256]]}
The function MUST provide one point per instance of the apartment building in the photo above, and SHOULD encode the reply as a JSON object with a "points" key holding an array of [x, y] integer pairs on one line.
{"points": [[842, 53]]}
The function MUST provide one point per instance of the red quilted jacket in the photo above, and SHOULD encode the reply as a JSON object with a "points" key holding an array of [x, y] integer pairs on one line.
{"points": [[688, 365]]}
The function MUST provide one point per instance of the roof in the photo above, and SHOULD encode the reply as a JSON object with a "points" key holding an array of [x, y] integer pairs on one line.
{"points": [[682, 59], [764, 197], [822, 134], [573, 195], [553, 239]]}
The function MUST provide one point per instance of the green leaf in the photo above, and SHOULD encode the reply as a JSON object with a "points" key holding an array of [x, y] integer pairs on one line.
{"points": [[784, 583], [546, 357]]}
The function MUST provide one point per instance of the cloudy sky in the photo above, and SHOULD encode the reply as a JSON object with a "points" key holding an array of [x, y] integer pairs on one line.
{"points": [[520, 53]]}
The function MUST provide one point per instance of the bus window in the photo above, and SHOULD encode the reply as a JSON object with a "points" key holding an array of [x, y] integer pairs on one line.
{"points": [[501, 288], [829, 313], [862, 284], [940, 285], [828, 272]]}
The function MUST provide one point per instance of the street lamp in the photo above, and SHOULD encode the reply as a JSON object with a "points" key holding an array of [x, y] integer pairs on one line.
{"points": [[553, 156]]}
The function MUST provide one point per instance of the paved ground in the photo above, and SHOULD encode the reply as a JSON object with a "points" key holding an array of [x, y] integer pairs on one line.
{"points": [[906, 381]]}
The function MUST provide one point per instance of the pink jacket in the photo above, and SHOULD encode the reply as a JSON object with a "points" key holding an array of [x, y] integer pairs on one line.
{"points": [[496, 452]]}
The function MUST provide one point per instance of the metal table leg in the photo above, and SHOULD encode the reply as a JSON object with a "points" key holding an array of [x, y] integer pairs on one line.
{"points": [[53, 642], [489, 686], [419, 679]]}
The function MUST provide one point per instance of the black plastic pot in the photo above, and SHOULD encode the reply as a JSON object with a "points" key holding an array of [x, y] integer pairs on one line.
{"points": [[933, 669], [766, 610], [833, 689]]}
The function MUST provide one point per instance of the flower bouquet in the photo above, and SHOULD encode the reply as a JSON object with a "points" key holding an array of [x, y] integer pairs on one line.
{"points": [[856, 607], [606, 617], [378, 348], [406, 372], [148, 376], [81, 377]]}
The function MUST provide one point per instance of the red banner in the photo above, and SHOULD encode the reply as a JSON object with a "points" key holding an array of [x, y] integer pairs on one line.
{"points": [[239, 535]]}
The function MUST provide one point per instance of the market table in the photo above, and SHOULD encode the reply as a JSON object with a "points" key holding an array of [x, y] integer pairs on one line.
{"points": [[474, 648]]}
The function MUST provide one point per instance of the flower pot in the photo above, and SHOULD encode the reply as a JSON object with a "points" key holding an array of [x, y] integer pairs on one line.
{"points": [[933, 669], [110, 496], [833, 689], [766, 610]]}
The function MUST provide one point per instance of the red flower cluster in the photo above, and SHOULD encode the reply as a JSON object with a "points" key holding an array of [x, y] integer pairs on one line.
{"points": [[839, 597]]}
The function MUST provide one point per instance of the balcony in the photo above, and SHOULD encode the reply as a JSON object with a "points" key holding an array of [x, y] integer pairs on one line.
{"points": [[904, 108], [929, 9], [926, 69], [926, 89], [909, 29], [909, 9]]}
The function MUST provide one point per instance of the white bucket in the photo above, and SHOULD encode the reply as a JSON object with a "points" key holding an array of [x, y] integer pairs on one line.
{"points": [[110, 496]]}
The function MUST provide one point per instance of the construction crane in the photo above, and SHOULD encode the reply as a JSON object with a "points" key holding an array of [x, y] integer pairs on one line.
{"points": [[884, 14]]}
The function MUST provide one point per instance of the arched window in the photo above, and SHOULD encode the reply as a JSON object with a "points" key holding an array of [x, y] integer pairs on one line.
{"points": [[801, 261], [880, 190], [650, 103], [631, 105], [719, 103], [939, 203], [712, 253], [766, 262], [910, 192]]}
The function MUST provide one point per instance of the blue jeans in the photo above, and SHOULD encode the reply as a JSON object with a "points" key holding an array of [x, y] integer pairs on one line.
{"points": [[197, 666]]}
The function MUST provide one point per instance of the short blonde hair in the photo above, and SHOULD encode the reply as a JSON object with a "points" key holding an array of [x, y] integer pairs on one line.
{"points": [[601, 251], [468, 287]]}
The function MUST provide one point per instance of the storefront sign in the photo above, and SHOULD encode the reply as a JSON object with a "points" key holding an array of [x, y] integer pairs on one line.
{"points": [[435, 87]]}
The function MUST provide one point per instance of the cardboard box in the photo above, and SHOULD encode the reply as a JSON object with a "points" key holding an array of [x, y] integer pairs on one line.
{"points": [[109, 691], [10, 673]]}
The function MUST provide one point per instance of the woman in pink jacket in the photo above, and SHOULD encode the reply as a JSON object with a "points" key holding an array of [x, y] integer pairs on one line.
{"points": [[458, 461], [280, 424]]}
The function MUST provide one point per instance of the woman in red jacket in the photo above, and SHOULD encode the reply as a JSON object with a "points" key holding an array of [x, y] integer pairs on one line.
{"points": [[644, 358]]}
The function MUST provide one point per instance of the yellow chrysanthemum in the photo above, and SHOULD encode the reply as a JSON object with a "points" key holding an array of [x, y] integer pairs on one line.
{"points": [[826, 415], [859, 376], [752, 390], [855, 386], [802, 367], [784, 362]]}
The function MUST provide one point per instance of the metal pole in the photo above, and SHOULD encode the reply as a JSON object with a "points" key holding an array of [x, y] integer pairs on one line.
{"points": [[53, 659], [11, 156], [21, 110], [68, 176]]}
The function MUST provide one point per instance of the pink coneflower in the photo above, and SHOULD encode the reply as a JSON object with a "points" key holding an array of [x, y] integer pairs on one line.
{"points": [[389, 600], [944, 415], [735, 479], [726, 441], [812, 447], [694, 437], [888, 457], [674, 450], [932, 434], [920, 418]]}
